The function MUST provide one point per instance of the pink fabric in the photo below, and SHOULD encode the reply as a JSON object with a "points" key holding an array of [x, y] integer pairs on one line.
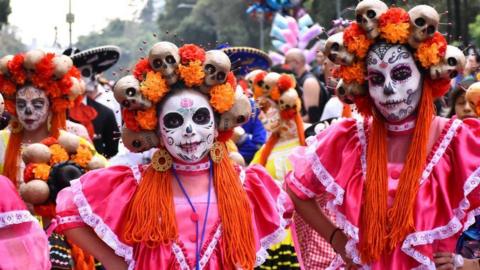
{"points": [[101, 198], [447, 200], [23, 243]]}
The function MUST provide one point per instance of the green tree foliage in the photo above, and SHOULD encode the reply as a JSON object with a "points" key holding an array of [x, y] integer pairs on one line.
{"points": [[9, 42], [4, 12]]}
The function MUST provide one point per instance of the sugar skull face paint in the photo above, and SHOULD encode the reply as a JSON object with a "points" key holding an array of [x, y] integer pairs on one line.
{"points": [[187, 125], [32, 107], [394, 81]]}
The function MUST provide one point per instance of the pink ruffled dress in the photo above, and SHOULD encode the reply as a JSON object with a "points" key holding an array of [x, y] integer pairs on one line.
{"points": [[99, 199], [23, 243], [447, 201]]}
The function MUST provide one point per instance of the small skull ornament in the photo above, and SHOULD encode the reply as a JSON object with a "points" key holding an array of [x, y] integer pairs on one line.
{"points": [[473, 97], [451, 65], [270, 82], [216, 67], [347, 92], [250, 77], [164, 57], [238, 115], [139, 141], [336, 51], [289, 100], [3, 64], [32, 58], [127, 93], [61, 65], [367, 13], [424, 22]]}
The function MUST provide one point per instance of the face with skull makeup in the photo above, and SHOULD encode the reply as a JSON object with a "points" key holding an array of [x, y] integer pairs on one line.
{"points": [[32, 107], [187, 125], [394, 81], [88, 77]]}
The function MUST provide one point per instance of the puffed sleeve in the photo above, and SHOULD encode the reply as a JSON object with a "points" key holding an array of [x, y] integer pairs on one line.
{"points": [[272, 208], [23, 243], [331, 159]]}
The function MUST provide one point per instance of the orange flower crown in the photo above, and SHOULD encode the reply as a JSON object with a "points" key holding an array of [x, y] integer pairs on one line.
{"points": [[54, 74], [375, 22], [166, 67]]}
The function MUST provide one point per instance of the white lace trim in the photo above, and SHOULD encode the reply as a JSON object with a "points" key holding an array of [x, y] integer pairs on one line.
{"points": [[15, 217], [99, 226], [192, 168], [136, 173], [441, 150], [401, 127], [306, 191], [363, 143], [242, 175], [69, 219], [180, 256], [448, 230], [278, 235]]}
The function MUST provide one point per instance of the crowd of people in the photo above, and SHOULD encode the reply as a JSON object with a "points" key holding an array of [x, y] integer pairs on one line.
{"points": [[365, 158]]}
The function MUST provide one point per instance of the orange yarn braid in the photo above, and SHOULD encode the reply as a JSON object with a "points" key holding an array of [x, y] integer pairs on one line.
{"points": [[58, 122], [381, 227], [267, 149], [10, 167], [82, 260], [236, 215], [154, 195], [300, 129]]}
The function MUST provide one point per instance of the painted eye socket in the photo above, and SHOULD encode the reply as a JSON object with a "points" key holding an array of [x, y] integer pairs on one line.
{"points": [[210, 69], [401, 73], [376, 78], [201, 116], [38, 105], [173, 120], [452, 61], [21, 104], [86, 72], [359, 18], [170, 59], [371, 14], [420, 22]]}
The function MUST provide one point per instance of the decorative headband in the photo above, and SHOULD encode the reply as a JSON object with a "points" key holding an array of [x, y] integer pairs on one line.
{"points": [[166, 66], [54, 74], [375, 22]]}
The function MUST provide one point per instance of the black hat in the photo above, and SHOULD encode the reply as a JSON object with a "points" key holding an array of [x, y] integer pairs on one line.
{"points": [[100, 58], [246, 59]]}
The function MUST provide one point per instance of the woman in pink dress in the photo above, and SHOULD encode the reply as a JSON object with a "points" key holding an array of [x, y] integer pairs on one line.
{"points": [[403, 183], [189, 208], [23, 243]]}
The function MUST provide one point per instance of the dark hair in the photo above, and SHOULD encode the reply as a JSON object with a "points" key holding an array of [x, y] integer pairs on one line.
{"points": [[454, 95]]}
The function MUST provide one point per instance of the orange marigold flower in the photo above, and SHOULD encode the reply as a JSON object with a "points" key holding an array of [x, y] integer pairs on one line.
{"points": [[222, 97], [49, 141], [28, 172], [44, 68], [192, 74], [285, 82], [394, 25], [83, 156], [59, 154], [353, 73], [231, 79], [41, 171], [141, 68], [191, 52], [431, 51], [275, 93], [154, 87], [131, 123], [258, 83], [147, 119], [356, 40]]}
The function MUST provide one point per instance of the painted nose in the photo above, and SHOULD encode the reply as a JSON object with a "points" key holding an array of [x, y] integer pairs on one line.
{"points": [[189, 131], [388, 90], [28, 111]]}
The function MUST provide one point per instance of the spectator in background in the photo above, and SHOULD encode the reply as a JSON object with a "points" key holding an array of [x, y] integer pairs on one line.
{"points": [[459, 106], [314, 97], [318, 69], [471, 66]]}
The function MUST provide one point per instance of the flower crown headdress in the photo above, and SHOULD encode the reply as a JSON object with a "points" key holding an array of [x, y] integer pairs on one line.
{"points": [[375, 22], [54, 74], [167, 65]]}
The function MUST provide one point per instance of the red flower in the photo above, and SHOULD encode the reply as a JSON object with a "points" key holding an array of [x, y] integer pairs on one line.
{"points": [[394, 16], [130, 121], [356, 40], [28, 172], [224, 136], [285, 82], [141, 69], [7, 87], [10, 107], [44, 68], [49, 141], [15, 67], [191, 52], [231, 80]]}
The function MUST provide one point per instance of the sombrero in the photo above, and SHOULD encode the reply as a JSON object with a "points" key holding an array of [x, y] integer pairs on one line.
{"points": [[100, 58], [246, 59]]}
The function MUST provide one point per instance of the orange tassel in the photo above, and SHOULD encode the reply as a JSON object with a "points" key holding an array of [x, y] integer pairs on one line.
{"points": [[82, 260], [12, 156]]}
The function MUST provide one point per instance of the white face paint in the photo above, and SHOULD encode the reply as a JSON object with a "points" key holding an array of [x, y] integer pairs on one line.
{"points": [[394, 81], [88, 76], [187, 125], [32, 107]]}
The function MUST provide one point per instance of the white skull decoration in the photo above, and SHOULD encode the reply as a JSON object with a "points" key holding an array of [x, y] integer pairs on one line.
{"points": [[3, 64], [451, 65], [367, 13], [336, 51], [62, 64], [139, 141], [289, 100], [127, 93], [269, 82], [424, 21], [216, 67], [251, 76], [164, 57], [32, 58], [238, 115], [347, 92]]}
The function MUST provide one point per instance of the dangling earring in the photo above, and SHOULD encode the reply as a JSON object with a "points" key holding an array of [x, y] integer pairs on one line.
{"points": [[216, 152], [15, 125], [161, 160], [49, 122]]}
